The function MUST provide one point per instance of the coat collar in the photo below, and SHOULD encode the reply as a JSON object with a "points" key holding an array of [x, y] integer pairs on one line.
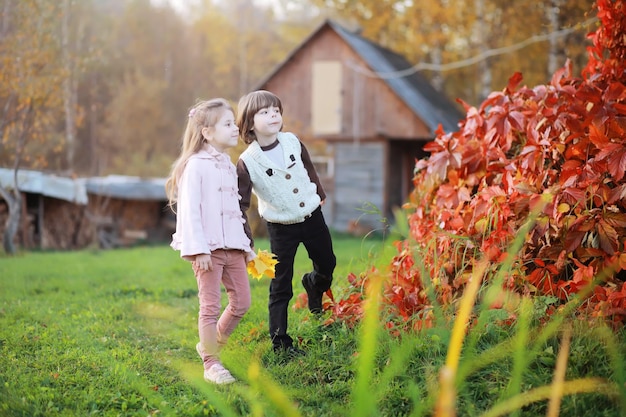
{"points": [[209, 153]]}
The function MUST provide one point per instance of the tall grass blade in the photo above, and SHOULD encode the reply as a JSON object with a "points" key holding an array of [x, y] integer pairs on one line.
{"points": [[267, 388], [364, 403], [576, 386], [519, 345], [446, 403], [559, 375]]}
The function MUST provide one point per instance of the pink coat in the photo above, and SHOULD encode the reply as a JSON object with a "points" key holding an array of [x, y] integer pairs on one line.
{"points": [[208, 216]]}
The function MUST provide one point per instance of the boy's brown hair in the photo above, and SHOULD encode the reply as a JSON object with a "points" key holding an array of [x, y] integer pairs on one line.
{"points": [[248, 106]]}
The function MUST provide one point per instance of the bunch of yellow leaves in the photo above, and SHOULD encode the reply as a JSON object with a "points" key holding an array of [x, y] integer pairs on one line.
{"points": [[263, 264]]}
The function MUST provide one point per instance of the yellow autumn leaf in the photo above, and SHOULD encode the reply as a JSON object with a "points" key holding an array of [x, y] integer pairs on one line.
{"points": [[263, 264]]}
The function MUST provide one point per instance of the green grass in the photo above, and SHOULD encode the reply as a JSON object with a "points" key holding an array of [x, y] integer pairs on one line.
{"points": [[112, 333]]}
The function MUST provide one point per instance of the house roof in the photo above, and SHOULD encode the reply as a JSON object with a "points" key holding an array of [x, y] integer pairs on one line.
{"points": [[415, 90], [430, 105], [127, 188], [76, 190], [50, 185]]}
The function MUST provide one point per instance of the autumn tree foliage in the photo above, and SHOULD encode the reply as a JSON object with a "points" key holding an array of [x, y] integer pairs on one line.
{"points": [[554, 155]]}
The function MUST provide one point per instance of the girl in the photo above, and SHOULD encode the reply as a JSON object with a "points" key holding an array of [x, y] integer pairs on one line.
{"points": [[278, 169], [209, 227]]}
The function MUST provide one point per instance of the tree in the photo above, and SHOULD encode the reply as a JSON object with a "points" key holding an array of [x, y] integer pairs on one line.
{"points": [[144, 83], [29, 94], [135, 121], [249, 45], [76, 50]]}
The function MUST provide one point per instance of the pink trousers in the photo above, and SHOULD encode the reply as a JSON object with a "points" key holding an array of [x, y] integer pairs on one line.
{"points": [[229, 269]]}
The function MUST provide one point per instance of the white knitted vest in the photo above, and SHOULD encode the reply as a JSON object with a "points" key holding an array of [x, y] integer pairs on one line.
{"points": [[285, 195]]}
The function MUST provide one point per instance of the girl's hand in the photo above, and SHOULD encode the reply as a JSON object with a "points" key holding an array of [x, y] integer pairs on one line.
{"points": [[203, 261], [250, 256]]}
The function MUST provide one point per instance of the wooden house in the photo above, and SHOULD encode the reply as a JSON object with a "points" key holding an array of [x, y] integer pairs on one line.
{"points": [[364, 116], [74, 213], [53, 210], [126, 210]]}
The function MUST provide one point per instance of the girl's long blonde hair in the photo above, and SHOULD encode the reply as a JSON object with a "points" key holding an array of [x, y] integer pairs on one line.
{"points": [[204, 114]]}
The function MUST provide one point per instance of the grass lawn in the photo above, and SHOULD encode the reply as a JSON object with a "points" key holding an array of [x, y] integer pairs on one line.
{"points": [[113, 333]]}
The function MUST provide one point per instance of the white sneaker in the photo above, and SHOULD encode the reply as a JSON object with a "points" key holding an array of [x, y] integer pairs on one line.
{"points": [[217, 374]]}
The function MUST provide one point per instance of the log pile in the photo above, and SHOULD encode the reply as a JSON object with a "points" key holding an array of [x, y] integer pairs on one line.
{"points": [[105, 223]]}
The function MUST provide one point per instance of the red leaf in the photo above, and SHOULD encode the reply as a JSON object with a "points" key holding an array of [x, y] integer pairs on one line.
{"points": [[466, 106], [618, 193], [517, 120], [597, 135], [558, 76], [514, 81], [615, 219], [615, 91], [583, 223], [608, 237], [573, 240], [571, 169], [615, 155], [619, 107], [573, 195], [618, 298], [578, 150]]}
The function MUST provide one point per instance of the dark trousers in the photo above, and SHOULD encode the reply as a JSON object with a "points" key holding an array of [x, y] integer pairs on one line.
{"points": [[313, 233]]}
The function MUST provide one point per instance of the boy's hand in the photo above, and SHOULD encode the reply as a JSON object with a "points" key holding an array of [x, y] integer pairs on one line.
{"points": [[262, 264]]}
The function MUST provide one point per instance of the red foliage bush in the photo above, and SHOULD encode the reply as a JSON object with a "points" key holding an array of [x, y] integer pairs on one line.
{"points": [[563, 143]]}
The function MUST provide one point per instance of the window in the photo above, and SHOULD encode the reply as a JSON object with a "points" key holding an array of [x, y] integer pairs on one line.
{"points": [[326, 98], [324, 166]]}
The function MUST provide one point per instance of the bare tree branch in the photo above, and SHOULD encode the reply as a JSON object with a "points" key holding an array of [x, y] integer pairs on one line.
{"points": [[475, 59]]}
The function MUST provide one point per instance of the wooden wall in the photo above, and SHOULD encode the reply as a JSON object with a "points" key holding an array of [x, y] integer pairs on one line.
{"points": [[50, 223], [359, 183], [126, 222]]}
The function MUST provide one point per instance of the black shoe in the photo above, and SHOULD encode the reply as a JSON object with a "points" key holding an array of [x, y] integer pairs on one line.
{"points": [[289, 352], [293, 352], [313, 294]]}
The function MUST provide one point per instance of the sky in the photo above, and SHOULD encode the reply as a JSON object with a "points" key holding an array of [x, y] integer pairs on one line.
{"points": [[182, 5]]}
